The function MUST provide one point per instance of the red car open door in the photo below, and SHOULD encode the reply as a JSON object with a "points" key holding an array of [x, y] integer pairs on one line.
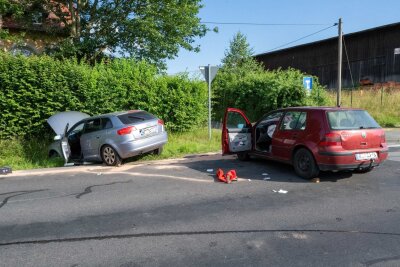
{"points": [[236, 132]]}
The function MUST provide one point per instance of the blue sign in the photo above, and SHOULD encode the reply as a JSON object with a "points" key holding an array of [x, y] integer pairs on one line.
{"points": [[307, 83]]}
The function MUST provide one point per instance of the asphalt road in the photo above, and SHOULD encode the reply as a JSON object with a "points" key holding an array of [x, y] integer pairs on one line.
{"points": [[173, 213]]}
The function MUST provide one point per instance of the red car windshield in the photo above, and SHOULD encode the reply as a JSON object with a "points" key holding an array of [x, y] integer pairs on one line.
{"points": [[350, 120]]}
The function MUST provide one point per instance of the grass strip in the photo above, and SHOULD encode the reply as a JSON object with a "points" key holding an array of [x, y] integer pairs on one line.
{"points": [[31, 153]]}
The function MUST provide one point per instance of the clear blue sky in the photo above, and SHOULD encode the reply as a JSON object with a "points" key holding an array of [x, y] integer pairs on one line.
{"points": [[357, 15]]}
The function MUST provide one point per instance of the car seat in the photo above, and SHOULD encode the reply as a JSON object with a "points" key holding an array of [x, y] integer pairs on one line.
{"points": [[292, 125]]}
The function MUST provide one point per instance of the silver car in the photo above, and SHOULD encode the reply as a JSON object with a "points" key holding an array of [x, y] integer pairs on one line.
{"points": [[108, 138]]}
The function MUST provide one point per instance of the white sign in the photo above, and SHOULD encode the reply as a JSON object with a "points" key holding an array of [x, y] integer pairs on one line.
{"points": [[209, 70], [397, 51]]}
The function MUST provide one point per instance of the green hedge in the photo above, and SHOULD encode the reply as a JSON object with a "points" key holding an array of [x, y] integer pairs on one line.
{"points": [[259, 92], [34, 88]]}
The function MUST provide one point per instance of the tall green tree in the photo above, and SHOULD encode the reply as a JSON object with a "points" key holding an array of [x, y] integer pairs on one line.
{"points": [[239, 56], [243, 83], [237, 64], [154, 30]]}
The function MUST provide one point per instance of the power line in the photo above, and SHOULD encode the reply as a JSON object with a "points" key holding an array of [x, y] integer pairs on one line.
{"points": [[304, 37], [263, 24]]}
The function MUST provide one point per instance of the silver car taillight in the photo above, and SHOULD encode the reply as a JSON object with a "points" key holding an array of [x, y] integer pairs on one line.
{"points": [[126, 130]]}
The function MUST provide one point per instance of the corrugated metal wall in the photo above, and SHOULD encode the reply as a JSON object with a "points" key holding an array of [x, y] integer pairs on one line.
{"points": [[371, 55]]}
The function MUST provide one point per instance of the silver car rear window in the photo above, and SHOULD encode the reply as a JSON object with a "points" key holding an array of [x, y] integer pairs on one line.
{"points": [[136, 117], [350, 120]]}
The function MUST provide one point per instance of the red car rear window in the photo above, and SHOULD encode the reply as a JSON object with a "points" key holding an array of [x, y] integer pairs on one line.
{"points": [[350, 120]]}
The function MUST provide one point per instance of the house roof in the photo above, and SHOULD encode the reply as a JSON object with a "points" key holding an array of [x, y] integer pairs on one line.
{"points": [[349, 35]]}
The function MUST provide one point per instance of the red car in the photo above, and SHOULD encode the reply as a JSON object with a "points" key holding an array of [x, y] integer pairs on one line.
{"points": [[309, 138]]}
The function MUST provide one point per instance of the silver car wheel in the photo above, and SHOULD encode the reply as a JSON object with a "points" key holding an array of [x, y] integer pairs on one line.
{"points": [[110, 156]]}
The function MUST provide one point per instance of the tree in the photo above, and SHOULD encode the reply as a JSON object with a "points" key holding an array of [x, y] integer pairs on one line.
{"points": [[154, 30], [238, 63], [239, 56], [243, 83]]}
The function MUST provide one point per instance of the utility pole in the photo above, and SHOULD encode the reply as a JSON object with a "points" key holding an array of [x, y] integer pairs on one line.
{"points": [[209, 101], [339, 81]]}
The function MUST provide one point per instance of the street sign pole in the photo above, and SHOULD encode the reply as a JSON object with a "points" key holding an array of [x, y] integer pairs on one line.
{"points": [[209, 73]]}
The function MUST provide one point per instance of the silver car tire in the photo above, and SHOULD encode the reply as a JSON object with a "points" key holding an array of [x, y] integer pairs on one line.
{"points": [[158, 151], [109, 156]]}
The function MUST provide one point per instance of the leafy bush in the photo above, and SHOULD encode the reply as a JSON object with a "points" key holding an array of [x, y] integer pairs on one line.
{"points": [[34, 88], [259, 92]]}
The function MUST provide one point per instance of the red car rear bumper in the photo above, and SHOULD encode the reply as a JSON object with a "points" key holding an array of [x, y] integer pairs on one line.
{"points": [[346, 160]]}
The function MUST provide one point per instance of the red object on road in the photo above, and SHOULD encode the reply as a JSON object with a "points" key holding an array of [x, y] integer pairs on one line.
{"points": [[221, 176], [230, 176]]}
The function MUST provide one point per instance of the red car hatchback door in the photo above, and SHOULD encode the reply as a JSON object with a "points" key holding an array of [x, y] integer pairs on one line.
{"points": [[356, 128], [236, 132]]}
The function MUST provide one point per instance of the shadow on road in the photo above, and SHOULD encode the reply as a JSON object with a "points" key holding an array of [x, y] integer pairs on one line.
{"points": [[256, 169]]}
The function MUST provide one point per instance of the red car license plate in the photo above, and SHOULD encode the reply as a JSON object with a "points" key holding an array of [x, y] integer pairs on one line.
{"points": [[366, 156]]}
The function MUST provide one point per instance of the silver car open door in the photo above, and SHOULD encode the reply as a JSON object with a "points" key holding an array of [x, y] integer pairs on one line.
{"points": [[65, 148]]}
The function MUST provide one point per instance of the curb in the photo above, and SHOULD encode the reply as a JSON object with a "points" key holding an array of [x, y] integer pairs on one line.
{"points": [[102, 167]]}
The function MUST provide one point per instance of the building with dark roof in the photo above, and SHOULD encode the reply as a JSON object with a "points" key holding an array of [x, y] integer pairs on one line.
{"points": [[374, 58]]}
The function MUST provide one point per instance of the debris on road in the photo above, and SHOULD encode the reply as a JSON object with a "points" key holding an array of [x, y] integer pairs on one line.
{"points": [[249, 180], [280, 191], [230, 176], [267, 178], [99, 173], [315, 180], [221, 176]]}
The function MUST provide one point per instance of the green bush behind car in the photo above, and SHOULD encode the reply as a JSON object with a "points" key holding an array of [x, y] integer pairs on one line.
{"points": [[34, 88]]}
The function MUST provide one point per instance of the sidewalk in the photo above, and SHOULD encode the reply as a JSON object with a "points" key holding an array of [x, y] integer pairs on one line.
{"points": [[392, 136]]}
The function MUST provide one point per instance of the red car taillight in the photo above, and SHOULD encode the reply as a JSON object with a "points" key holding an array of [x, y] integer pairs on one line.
{"points": [[161, 122], [331, 139], [126, 130]]}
